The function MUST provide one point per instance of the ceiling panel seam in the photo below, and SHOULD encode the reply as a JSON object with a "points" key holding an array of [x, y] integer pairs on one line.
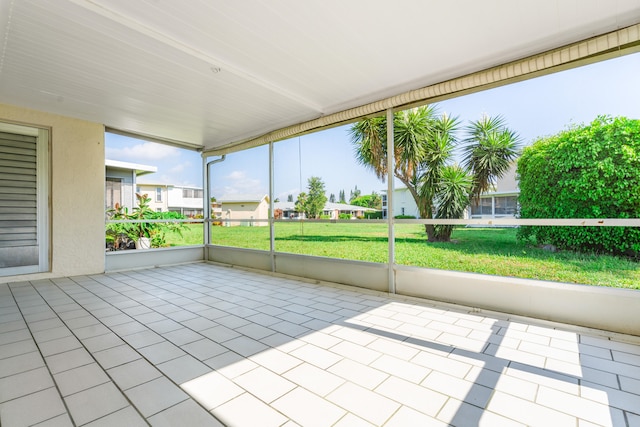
{"points": [[216, 64]]}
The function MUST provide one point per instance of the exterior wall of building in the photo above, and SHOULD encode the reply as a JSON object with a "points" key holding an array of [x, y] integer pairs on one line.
{"points": [[245, 211], [128, 198], [152, 190], [403, 203], [191, 205], [508, 183], [77, 177]]}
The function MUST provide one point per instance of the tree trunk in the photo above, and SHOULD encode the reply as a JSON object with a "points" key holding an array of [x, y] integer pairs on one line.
{"points": [[435, 233]]}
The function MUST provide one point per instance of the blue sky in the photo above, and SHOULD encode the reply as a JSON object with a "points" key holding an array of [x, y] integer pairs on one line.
{"points": [[533, 108]]}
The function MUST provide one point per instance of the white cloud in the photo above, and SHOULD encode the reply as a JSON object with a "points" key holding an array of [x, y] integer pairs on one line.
{"points": [[181, 167], [238, 183], [143, 152]]}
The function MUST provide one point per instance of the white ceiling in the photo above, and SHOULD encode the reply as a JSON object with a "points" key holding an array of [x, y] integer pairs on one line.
{"points": [[148, 66]]}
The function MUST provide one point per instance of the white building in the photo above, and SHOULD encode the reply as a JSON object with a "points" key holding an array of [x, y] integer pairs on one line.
{"points": [[188, 201]]}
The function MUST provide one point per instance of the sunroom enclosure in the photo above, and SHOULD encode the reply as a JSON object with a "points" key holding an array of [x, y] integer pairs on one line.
{"points": [[598, 307]]}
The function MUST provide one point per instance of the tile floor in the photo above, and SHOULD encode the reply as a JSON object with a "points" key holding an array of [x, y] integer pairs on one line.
{"points": [[204, 345]]}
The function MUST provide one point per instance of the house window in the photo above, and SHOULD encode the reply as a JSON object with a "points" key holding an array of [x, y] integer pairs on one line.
{"points": [[138, 189], [482, 207], [24, 211], [506, 205], [113, 192], [158, 194], [190, 193]]}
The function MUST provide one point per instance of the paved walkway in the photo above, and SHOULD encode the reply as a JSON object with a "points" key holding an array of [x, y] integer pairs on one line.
{"points": [[201, 345]]}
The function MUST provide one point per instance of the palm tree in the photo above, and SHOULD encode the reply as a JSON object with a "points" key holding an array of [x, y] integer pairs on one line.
{"points": [[488, 151], [424, 144], [423, 147]]}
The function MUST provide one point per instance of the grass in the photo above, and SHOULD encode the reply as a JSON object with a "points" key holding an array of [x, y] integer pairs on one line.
{"points": [[489, 251]]}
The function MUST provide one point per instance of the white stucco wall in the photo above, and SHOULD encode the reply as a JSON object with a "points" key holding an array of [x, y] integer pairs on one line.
{"points": [[508, 183], [150, 190], [76, 192], [404, 199], [245, 211]]}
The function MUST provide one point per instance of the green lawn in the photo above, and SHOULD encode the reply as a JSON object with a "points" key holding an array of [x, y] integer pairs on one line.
{"points": [[489, 251]]}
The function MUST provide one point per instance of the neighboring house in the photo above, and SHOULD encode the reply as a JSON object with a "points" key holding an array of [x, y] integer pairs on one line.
{"points": [[158, 193], [501, 202], [216, 210], [188, 201], [121, 181], [243, 210], [403, 203], [333, 210]]}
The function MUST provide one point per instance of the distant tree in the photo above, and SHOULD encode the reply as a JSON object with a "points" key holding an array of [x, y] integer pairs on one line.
{"points": [[290, 198], [301, 203], [277, 200], [355, 193], [213, 199], [332, 198], [341, 198], [360, 201], [312, 203], [373, 201]]}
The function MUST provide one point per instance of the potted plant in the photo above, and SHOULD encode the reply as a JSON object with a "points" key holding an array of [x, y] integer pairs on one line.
{"points": [[118, 234], [142, 232]]}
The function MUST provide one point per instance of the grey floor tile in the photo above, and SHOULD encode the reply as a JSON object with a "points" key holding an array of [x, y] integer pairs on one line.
{"points": [[17, 348], [68, 360], [182, 336], [51, 334], [161, 352], [81, 378], [134, 373], [59, 421], [143, 339], [184, 368], [59, 345], [204, 349], [94, 403], [116, 356], [184, 414], [21, 363], [102, 342], [155, 396], [33, 408], [24, 383], [128, 417]]}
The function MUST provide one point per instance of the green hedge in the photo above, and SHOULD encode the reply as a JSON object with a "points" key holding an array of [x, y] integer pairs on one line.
{"points": [[373, 215], [588, 171]]}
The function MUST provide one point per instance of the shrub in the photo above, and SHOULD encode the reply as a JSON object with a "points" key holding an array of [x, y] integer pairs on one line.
{"points": [[404, 217], [590, 171], [344, 216], [373, 215]]}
